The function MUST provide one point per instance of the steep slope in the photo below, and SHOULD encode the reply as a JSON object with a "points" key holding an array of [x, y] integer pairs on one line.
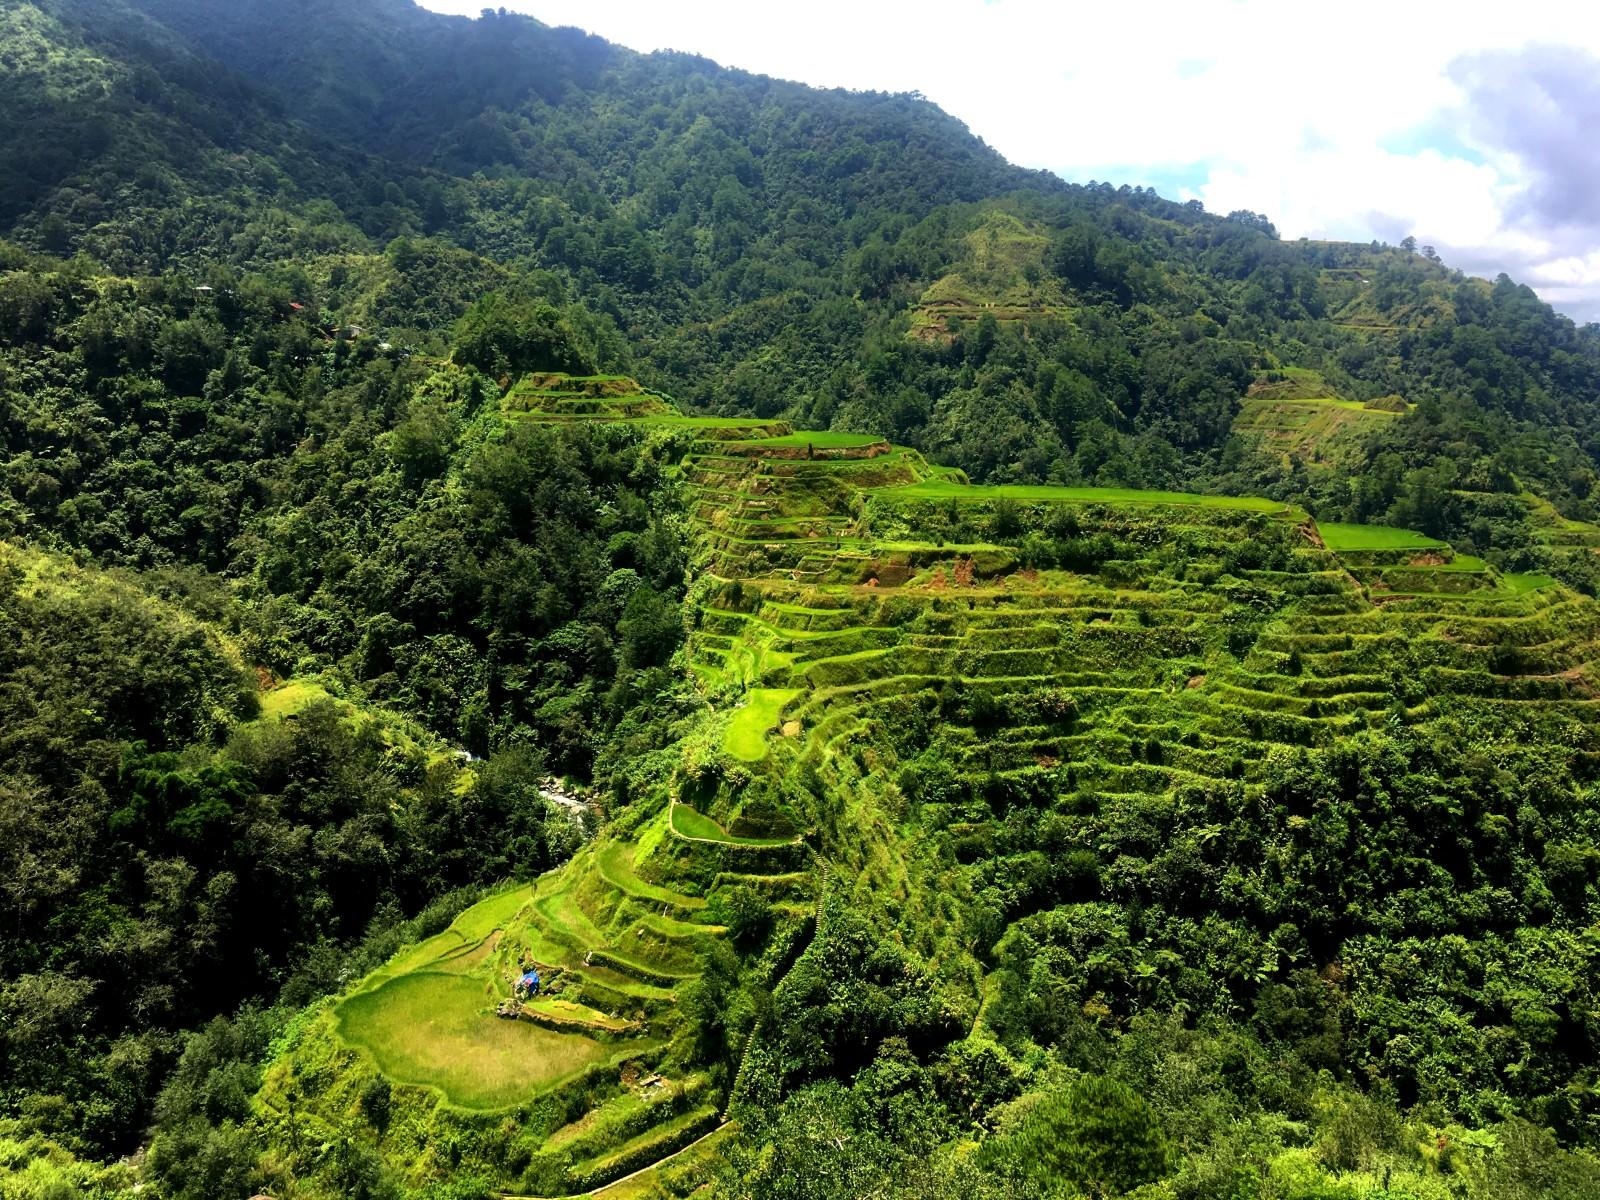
{"points": [[446, 91], [184, 835], [385, 73]]}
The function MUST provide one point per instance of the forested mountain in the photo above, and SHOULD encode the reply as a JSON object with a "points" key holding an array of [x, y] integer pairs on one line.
{"points": [[754, 246], [1067, 694]]}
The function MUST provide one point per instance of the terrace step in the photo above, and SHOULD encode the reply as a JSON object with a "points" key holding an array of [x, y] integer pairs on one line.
{"points": [[644, 1150]]}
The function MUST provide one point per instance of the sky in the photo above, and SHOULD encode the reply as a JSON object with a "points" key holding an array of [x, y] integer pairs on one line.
{"points": [[1474, 127]]}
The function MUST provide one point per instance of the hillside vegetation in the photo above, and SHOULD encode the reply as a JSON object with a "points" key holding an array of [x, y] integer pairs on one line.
{"points": [[1163, 734], [959, 684]]}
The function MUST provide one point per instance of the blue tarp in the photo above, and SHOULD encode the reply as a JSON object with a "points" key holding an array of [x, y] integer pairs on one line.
{"points": [[529, 982]]}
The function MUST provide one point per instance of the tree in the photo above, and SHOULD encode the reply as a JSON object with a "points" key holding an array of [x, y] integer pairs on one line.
{"points": [[377, 1103], [1098, 1136], [188, 350], [421, 444], [651, 628], [1252, 220], [745, 912], [501, 335]]}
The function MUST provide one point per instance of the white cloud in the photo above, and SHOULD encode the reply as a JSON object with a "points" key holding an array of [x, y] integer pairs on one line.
{"points": [[1334, 120]]}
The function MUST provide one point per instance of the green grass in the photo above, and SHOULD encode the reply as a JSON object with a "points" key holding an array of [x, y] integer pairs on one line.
{"points": [[1297, 417], [567, 1010], [615, 862], [686, 422], [1295, 383], [470, 929], [664, 1134], [820, 439], [1529, 581], [433, 1030], [1357, 406], [1462, 562], [998, 274], [690, 823], [492, 913], [746, 738], [1339, 536], [644, 1186], [950, 489], [635, 1187], [1122, 648]]}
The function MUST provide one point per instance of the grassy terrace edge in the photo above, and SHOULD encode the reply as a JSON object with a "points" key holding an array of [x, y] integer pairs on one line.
{"points": [[948, 488]]}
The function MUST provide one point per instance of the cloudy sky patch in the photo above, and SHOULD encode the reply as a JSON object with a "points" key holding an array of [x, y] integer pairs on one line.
{"points": [[1474, 127]]}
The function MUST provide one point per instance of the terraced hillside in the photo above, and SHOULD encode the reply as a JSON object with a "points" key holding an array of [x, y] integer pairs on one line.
{"points": [[594, 1066], [1002, 274], [895, 664], [1294, 413]]}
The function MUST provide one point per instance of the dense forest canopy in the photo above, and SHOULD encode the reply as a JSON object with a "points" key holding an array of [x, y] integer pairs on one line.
{"points": [[399, 413]]}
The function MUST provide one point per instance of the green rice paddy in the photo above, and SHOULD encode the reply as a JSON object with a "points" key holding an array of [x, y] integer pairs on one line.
{"points": [[437, 1030], [819, 440], [952, 489], [680, 421], [1462, 562], [1528, 582], [1355, 538], [746, 738], [690, 823]]}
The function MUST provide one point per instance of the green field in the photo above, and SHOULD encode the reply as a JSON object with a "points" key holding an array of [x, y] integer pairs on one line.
{"points": [[436, 1030], [951, 489], [686, 422], [746, 738], [1463, 562], [1338, 536], [435, 771], [1294, 413], [1330, 402], [1292, 383], [1528, 582], [822, 439], [1000, 274], [690, 823]]}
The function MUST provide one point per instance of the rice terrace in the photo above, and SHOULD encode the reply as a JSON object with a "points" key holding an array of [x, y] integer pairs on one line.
{"points": [[579, 622], [1154, 640]]}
